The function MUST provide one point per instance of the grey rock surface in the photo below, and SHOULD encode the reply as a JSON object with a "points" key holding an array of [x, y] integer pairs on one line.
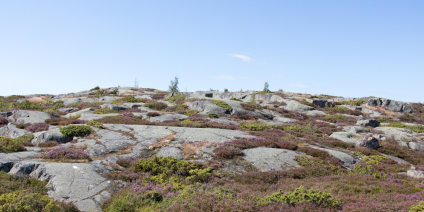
{"points": [[320, 102], [27, 116], [368, 123], [75, 182], [391, 105], [170, 151], [267, 159], [369, 142], [11, 131], [168, 117], [205, 107], [348, 160], [355, 129], [50, 135], [415, 173]]}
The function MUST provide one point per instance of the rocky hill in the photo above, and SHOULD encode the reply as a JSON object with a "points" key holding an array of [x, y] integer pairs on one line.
{"points": [[131, 149]]}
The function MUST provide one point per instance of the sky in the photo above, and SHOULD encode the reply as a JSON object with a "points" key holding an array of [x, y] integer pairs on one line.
{"points": [[344, 48]]}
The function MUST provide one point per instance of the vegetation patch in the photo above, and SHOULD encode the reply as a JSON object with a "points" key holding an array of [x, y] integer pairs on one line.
{"points": [[131, 99], [65, 154], [235, 99], [95, 124], [250, 106], [177, 98], [418, 128], [305, 102], [38, 127], [156, 105], [105, 110], [75, 130], [63, 121], [221, 104], [212, 115], [358, 102], [10, 145]]}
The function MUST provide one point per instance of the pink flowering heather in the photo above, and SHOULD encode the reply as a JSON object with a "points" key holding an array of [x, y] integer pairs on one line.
{"points": [[3, 121], [38, 127], [68, 153]]}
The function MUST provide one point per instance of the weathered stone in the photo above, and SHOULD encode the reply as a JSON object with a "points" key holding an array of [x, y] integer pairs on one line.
{"points": [[205, 107], [368, 123], [170, 151], [11, 131], [391, 105], [415, 173], [50, 135], [369, 142], [168, 117], [355, 129], [27, 116], [348, 160], [267, 159], [320, 102]]}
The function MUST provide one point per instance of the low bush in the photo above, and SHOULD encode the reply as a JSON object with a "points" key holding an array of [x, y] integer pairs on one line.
{"points": [[10, 145], [321, 154], [338, 109], [177, 98], [124, 119], [250, 106], [84, 105], [304, 102], [383, 119], [38, 127], [190, 112], [277, 103], [3, 121], [353, 102], [25, 105], [221, 104], [24, 201], [212, 115], [95, 124], [156, 105], [418, 128], [245, 116], [22, 125], [166, 170], [131, 99], [67, 153], [113, 92], [197, 117], [417, 208], [302, 194], [48, 144], [177, 108], [256, 126], [235, 99], [152, 114], [95, 88], [75, 130], [158, 96]]}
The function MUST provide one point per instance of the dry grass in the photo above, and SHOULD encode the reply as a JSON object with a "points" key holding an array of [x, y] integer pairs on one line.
{"points": [[190, 149], [163, 142], [381, 110], [37, 99]]}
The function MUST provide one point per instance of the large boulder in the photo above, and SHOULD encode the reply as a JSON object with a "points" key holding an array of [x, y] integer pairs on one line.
{"points": [[267, 159], [320, 102], [368, 142], [50, 135], [391, 105], [415, 173], [205, 107], [27, 116], [11, 131], [368, 123]]}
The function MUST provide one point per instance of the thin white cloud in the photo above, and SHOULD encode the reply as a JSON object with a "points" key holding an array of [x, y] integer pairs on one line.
{"points": [[300, 86], [243, 57], [224, 77]]}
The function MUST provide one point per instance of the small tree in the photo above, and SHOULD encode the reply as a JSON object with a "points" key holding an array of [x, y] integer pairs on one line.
{"points": [[174, 85], [266, 86]]}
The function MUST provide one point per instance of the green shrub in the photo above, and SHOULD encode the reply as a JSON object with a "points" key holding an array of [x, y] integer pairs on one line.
{"points": [[113, 92], [10, 145], [212, 115], [191, 112], [304, 102], [105, 110], [256, 126], [95, 88], [383, 119], [417, 208], [221, 104], [57, 105], [23, 201], [235, 99], [75, 130], [166, 170], [177, 97], [418, 128], [250, 106], [353, 102], [374, 159], [25, 105], [95, 124], [302, 194], [156, 105], [132, 99]]}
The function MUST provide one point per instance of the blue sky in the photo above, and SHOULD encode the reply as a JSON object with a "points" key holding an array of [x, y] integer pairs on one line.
{"points": [[345, 48]]}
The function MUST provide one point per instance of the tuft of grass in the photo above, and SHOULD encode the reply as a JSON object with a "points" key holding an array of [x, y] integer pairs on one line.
{"points": [[10, 145], [156, 105], [177, 98], [235, 99], [358, 102], [95, 88], [212, 115], [221, 104], [105, 110], [304, 102], [383, 119], [256, 126], [250, 106], [132, 99], [95, 124], [418, 128]]}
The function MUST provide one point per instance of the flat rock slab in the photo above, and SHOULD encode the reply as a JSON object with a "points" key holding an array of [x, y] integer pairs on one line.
{"points": [[27, 116], [170, 151], [17, 156], [348, 160], [205, 107], [11, 131], [267, 159], [50, 135], [168, 117], [76, 182]]}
